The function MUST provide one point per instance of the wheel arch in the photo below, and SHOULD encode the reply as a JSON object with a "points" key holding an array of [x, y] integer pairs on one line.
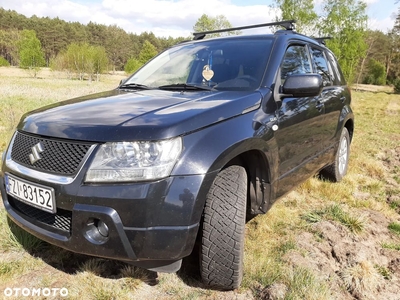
{"points": [[258, 172], [256, 162], [346, 120], [350, 127], [208, 151]]}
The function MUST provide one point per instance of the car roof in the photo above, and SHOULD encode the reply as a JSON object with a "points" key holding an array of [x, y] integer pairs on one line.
{"points": [[285, 34]]}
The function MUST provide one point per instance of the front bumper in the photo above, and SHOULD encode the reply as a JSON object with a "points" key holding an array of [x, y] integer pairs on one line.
{"points": [[151, 225]]}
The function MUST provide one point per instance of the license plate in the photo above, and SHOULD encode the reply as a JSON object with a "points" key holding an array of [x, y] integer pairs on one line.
{"points": [[30, 193]]}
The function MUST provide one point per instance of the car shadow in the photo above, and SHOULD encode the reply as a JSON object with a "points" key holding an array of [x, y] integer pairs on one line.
{"points": [[189, 273], [73, 263]]}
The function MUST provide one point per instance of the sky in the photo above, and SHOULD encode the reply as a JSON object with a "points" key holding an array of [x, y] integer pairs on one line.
{"points": [[175, 17]]}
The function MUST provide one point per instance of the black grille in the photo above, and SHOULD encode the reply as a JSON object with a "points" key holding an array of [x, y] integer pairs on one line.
{"points": [[59, 157], [61, 220]]}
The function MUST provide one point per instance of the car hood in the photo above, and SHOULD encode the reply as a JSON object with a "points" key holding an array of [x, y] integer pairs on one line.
{"points": [[137, 115]]}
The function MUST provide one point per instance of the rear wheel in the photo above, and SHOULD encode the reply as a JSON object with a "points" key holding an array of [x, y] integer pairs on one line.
{"points": [[222, 242], [336, 171]]}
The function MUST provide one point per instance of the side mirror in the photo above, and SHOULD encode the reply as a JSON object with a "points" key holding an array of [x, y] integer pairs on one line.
{"points": [[302, 85]]}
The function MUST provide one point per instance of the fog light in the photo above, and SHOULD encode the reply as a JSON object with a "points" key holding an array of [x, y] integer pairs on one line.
{"points": [[102, 228], [96, 231]]}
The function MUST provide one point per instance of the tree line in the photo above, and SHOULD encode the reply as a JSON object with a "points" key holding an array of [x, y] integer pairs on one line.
{"points": [[366, 56], [74, 44]]}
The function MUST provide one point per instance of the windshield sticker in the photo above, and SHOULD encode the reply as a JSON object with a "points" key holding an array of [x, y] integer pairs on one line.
{"points": [[207, 73]]}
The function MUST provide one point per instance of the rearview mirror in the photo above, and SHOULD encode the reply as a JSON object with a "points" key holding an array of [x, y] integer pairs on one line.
{"points": [[302, 85]]}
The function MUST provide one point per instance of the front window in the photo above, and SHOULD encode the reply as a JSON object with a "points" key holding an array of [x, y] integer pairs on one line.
{"points": [[225, 64], [296, 61]]}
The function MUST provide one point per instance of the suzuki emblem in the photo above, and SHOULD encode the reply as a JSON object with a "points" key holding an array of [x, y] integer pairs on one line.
{"points": [[36, 150]]}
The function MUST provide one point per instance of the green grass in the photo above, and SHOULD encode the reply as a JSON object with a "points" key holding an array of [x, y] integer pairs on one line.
{"points": [[285, 247], [8, 268], [395, 205], [312, 217], [335, 212], [393, 246], [384, 272], [262, 269], [15, 266], [394, 227]]}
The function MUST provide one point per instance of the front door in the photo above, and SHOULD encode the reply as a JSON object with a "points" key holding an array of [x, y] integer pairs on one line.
{"points": [[298, 135]]}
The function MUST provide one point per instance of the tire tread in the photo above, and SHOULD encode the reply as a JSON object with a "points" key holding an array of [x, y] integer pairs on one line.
{"points": [[221, 256]]}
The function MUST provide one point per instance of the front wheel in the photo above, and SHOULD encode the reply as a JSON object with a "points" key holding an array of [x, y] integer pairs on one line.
{"points": [[222, 242], [336, 171]]}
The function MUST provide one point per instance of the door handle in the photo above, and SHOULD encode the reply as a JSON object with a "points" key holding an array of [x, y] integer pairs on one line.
{"points": [[343, 98], [320, 105]]}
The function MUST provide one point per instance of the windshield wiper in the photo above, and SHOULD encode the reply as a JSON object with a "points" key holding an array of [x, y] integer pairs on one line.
{"points": [[134, 86], [185, 87]]}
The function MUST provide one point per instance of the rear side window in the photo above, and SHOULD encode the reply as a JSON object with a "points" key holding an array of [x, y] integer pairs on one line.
{"points": [[339, 78], [296, 61], [321, 66]]}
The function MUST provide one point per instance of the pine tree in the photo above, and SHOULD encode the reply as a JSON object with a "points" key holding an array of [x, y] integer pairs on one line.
{"points": [[148, 52]]}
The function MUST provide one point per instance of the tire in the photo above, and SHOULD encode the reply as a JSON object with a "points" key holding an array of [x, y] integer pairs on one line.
{"points": [[336, 171], [222, 242]]}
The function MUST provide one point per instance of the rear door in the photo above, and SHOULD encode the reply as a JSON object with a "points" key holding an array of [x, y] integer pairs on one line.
{"points": [[332, 96]]}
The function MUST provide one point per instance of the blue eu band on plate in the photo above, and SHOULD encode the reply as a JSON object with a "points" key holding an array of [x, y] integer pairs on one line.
{"points": [[31, 193]]}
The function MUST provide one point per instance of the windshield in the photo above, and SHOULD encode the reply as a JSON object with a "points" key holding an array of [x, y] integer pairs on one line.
{"points": [[224, 64]]}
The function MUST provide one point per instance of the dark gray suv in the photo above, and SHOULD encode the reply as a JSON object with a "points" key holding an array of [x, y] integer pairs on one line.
{"points": [[209, 133]]}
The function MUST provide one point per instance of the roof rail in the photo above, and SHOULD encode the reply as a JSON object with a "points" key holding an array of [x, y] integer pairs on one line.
{"points": [[288, 25], [322, 40]]}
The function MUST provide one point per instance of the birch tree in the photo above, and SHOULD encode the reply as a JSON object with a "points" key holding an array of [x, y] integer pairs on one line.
{"points": [[346, 22], [31, 56], [300, 10]]}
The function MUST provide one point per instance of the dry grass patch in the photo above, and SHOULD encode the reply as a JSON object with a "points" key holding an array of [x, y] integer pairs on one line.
{"points": [[361, 278], [14, 271], [20, 93], [303, 284], [373, 88], [13, 238], [93, 287], [269, 238], [173, 287], [10, 268]]}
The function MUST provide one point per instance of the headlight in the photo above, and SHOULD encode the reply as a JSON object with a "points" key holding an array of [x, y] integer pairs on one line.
{"points": [[134, 161]]}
